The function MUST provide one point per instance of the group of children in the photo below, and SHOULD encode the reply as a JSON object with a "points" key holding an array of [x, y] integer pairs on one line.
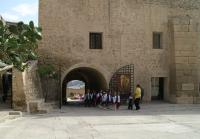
{"points": [[93, 99], [105, 99]]}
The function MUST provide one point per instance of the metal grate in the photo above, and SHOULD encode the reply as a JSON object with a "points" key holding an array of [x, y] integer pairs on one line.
{"points": [[123, 81]]}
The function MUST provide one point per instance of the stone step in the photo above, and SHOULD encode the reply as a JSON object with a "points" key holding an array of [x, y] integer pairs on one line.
{"points": [[17, 113], [39, 106], [49, 106], [9, 115]]}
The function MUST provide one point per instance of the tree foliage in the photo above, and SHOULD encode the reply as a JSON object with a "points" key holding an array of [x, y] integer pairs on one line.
{"points": [[47, 71], [18, 43]]}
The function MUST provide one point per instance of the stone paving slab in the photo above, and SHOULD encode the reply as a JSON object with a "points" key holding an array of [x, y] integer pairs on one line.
{"points": [[154, 121], [3, 116]]}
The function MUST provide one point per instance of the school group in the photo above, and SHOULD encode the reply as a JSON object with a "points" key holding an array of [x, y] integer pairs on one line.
{"points": [[105, 99]]}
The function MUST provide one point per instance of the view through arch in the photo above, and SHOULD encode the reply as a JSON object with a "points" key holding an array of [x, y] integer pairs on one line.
{"points": [[75, 91], [93, 79]]}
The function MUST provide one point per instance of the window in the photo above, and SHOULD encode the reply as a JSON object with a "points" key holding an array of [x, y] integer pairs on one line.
{"points": [[157, 40], [95, 40]]}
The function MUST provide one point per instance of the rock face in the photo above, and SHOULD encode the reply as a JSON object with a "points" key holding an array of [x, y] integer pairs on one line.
{"points": [[127, 28]]}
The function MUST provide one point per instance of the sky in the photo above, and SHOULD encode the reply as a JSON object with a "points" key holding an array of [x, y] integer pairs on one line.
{"points": [[19, 10]]}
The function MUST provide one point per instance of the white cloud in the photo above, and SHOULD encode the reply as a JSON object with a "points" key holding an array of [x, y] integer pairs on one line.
{"points": [[26, 9], [21, 12], [10, 17]]}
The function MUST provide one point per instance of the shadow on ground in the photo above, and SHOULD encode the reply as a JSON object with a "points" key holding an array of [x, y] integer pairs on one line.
{"points": [[147, 109]]}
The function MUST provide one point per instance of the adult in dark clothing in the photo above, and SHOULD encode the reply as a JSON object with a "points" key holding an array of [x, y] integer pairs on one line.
{"points": [[90, 99], [86, 100], [117, 100], [130, 102], [137, 97], [108, 99], [94, 99]]}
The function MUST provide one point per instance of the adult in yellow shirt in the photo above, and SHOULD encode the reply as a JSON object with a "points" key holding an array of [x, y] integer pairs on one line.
{"points": [[137, 97]]}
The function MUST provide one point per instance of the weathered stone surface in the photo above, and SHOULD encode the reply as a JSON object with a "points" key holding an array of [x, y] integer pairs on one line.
{"points": [[15, 113], [27, 91], [186, 53], [154, 121], [181, 60], [185, 100], [186, 66], [185, 4], [127, 27], [188, 87], [181, 28], [192, 60], [197, 100], [18, 97], [33, 107]]}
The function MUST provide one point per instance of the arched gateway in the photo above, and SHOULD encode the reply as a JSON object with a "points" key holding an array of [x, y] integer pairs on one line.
{"points": [[92, 78]]}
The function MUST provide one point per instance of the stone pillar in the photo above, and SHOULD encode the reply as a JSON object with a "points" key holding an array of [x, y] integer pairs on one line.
{"points": [[184, 79], [27, 91], [18, 96]]}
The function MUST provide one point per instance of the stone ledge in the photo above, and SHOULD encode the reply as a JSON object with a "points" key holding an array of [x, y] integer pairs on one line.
{"points": [[15, 113], [10, 115], [185, 100]]}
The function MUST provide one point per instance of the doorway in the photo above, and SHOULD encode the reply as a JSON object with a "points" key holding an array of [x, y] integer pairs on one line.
{"points": [[157, 88], [6, 89]]}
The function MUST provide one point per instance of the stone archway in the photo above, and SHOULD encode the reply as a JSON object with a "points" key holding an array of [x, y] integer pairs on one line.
{"points": [[92, 78]]}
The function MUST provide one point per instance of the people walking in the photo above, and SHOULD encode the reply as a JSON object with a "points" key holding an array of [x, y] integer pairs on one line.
{"points": [[87, 99], [137, 97], [130, 102], [108, 99], [104, 99], [116, 100]]}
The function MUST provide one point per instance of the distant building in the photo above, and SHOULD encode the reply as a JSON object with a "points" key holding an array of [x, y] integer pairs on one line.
{"points": [[75, 92]]}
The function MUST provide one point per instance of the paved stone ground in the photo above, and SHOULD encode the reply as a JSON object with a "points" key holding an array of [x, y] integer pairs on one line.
{"points": [[153, 121], [4, 112]]}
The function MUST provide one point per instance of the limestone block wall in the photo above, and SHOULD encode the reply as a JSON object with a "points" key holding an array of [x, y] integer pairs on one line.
{"points": [[31, 82], [50, 89], [26, 87], [18, 97], [186, 47], [127, 27]]}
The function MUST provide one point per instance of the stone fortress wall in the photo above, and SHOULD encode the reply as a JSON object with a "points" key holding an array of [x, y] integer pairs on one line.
{"points": [[127, 27]]}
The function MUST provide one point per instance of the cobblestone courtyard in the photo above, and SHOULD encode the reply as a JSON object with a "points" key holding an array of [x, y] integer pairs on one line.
{"points": [[154, 121]]}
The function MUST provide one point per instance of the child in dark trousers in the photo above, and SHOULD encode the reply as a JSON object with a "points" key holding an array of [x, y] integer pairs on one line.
{"points": [[130, 102]]}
